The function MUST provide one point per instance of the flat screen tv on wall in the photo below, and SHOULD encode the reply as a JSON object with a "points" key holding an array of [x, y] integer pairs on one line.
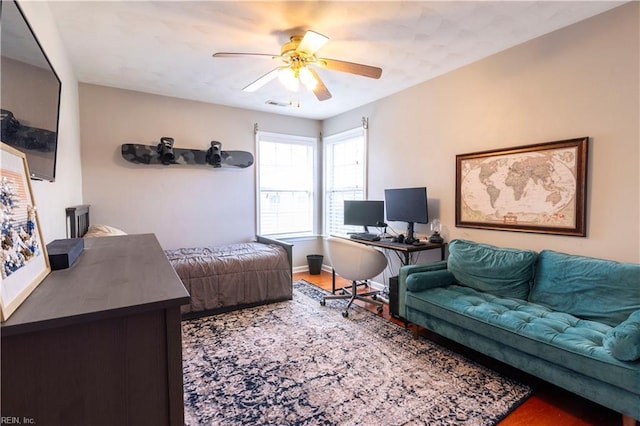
{"points": [[29, 94]]}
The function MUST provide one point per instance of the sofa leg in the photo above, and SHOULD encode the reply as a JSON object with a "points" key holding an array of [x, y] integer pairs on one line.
{"points": [[416, 334], [628, 420]]}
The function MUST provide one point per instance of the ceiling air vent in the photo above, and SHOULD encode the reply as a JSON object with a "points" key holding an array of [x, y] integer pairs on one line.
{"points": [[277, 103]]}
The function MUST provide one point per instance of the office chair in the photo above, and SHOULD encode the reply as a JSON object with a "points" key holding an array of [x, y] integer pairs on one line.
{"points": [[355, 262]]}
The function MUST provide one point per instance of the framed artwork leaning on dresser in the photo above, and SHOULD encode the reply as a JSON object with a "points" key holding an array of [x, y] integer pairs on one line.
{"points": [[23, 254]]}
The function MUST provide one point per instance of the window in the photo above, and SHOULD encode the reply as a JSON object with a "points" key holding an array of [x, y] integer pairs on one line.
{"points": [[286, 170], [345, 175]]}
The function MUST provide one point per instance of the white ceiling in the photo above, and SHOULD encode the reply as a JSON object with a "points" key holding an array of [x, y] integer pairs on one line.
{"points": [[165, 47]]}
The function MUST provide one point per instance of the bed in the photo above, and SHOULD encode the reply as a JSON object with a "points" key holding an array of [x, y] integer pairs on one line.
{"points": [[218, 278]]}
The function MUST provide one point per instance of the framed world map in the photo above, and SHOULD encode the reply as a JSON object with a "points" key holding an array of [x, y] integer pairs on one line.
{"points": [[534, 188]]}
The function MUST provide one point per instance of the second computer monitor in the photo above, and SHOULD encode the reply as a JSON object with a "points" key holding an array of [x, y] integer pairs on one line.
{"points": [[407, 205], [363, 213]]}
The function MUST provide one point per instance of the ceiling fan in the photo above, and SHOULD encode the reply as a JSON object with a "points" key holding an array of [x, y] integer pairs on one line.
{"points": [[297, 54]]}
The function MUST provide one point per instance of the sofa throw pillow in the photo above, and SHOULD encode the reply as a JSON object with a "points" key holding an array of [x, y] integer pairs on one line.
{"points": [[595, 289], [504, 272], [623, 341]]}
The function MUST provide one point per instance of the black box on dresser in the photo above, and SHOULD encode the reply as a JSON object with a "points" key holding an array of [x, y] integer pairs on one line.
{"points": [[64, 253]]}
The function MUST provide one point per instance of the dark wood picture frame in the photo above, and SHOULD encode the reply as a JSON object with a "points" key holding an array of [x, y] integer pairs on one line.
{"points": [[540, 188]]}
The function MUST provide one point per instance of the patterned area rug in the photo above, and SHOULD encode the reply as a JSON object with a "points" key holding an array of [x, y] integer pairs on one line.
{"points": [[297, 362]]}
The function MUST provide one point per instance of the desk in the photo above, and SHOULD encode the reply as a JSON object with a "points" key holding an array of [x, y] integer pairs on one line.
{"points": [[406, 249], [401, 248]]}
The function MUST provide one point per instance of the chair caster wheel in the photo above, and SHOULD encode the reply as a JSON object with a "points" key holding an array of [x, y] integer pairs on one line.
{"points": [[323, 303], [345, 314], [379, 309], [374, 297]]}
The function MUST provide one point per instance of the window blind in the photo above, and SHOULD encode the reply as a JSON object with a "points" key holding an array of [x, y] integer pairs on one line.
{"points": [[345, 172]]}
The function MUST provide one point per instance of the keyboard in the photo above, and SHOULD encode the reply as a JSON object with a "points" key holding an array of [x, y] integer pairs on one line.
{"points": [[365, 237]]}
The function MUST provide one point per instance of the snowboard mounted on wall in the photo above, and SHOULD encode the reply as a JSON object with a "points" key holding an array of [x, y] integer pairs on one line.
{"points": [[165, 153]]}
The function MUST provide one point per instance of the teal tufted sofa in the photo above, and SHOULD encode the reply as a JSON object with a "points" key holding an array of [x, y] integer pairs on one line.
{"points": [[573, 321]]}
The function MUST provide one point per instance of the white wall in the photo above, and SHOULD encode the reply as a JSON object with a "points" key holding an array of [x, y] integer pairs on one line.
{"points": [[53, 197], [578, 81], [183, 205]]}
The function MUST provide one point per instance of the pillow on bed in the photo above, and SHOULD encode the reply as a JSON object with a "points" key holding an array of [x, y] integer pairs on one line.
{"points": [[103, 231]]}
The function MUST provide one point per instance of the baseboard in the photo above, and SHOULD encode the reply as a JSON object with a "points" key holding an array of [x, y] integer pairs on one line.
{"points": [[376, 285], [305, 268], [297, 269]]}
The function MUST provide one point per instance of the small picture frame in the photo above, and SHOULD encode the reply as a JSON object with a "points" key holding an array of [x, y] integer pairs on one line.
{"points": [[539, 188], [23, 254]]}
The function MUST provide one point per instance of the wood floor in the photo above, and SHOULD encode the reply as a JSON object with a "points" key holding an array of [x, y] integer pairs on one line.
{"points": [[549, 406]]}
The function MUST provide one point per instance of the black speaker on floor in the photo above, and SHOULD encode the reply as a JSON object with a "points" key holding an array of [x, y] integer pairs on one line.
{"points": [[394, 309]]}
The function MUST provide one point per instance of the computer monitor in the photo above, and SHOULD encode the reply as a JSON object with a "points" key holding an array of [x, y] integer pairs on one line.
{"points": [[363, 213], [407, 205]]}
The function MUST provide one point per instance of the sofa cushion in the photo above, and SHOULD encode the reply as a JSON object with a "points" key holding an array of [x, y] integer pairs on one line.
{"points": [[556, 337], [501, 271], [589, 288], [623, 341]]}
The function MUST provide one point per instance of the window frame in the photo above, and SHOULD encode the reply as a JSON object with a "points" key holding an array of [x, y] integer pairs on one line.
{"points": [[335, 139], [283, 138]]}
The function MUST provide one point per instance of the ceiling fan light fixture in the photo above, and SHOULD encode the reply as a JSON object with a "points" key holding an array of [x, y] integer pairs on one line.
{"points": [[295, 55], [307, 78], [289, 78]]}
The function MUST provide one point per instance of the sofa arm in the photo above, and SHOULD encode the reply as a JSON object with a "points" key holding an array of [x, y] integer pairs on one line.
{"points": [[623, 340], [406, 271], [430, 279]]}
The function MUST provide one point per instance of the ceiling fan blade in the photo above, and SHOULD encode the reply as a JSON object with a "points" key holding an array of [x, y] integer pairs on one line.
{"points": [[321, 91], [350, 67], [311, 42], [262, 80], [236, 55]]}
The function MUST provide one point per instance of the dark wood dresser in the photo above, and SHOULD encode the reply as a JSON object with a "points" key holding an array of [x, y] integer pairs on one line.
{"points": [[99, 343]]}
